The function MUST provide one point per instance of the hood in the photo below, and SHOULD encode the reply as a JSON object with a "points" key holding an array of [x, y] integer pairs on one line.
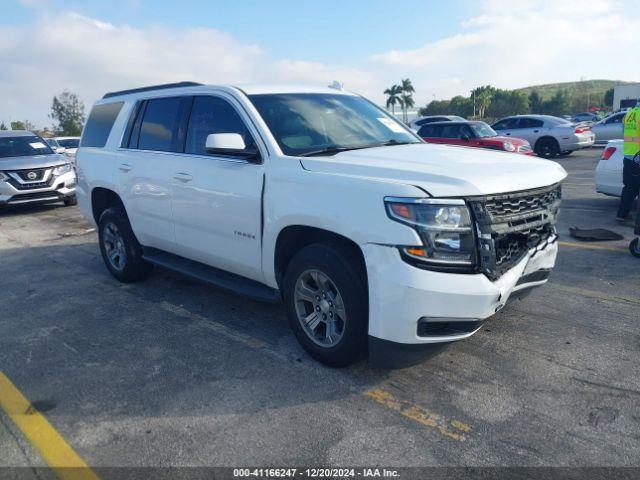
{"points": [[442, 170], [31, 162], [501, 138]]}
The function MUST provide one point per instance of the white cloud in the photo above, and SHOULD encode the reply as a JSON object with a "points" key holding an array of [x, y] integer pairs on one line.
{"points": [[515, 44], [91, 57]]}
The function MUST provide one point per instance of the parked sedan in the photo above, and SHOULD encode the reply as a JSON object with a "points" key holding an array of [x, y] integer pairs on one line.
{"points": [[550, 136], [472, 134], [609, 169], [585, 117], [610, 128], [416, 123]]}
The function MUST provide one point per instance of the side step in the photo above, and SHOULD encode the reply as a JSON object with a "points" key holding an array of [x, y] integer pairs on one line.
{"points": [[214, 276]]}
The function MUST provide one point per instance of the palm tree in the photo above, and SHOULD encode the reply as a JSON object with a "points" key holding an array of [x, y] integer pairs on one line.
{"points": [[393, 97], [407, 97], [407, 103]]}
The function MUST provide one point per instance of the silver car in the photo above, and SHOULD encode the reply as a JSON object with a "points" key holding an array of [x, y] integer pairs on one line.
{"points": [[550, 136], [31, 172], [610, 128]]}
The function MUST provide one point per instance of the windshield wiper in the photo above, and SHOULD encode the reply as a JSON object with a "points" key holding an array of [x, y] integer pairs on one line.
{"points": [[331, 150], [392, 142]]}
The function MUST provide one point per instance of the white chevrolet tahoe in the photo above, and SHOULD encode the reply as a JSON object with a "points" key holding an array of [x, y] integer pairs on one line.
{"points": [[373, 240]]}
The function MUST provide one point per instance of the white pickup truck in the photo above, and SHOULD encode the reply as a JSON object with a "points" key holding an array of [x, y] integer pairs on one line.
{"points": [[374, 240]]}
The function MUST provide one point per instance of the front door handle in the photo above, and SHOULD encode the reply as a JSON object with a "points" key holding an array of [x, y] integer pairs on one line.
{"points": [[536, 131], [183, 177], [125, 167]]}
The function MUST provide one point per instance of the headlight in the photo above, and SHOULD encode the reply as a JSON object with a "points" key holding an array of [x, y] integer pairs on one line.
{"points": [[62, 169], [3, 177], [444, 226], [509, 147]]}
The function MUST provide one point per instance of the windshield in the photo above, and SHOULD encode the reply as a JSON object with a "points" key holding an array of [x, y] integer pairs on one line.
{"points": [[482, 130], [69, 143], [23, 146], [309, 123], [51, 142]]}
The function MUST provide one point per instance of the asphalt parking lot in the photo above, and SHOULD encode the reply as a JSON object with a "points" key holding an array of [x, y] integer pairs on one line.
{"points": [[172, 372]]}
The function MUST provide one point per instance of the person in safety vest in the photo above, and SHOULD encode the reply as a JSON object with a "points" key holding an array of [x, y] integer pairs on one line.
{"points": [[631, 169]]}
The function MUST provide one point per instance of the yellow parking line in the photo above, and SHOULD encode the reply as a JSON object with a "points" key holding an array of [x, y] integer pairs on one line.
{"points": [[419, 414], [54, 449], [590, 246]]}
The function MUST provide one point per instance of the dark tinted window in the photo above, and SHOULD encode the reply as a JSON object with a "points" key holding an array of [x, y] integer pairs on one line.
{"points": [[506, 124], [529, 123], [160, 129], [455, 130], [98, 127], [616, 118], [213, 115], [69, 142], [23, 146], [430, 131]]}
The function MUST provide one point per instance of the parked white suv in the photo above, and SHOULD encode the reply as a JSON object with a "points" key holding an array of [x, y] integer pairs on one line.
{"points": [[320, 199], [550, 136]]}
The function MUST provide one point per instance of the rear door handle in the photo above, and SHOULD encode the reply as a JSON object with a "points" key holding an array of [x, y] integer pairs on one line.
{"points": [[536, 131], [183, 177], [507, 133], [125, 167]]}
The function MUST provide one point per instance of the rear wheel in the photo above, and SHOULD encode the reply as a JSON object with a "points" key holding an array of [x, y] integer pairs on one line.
{"points": [[327, 304], [547, 147], [121, 252]]}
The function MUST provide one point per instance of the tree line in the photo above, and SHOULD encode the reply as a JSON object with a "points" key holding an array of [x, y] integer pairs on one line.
{"points": [[487, 102], [67, 113]]}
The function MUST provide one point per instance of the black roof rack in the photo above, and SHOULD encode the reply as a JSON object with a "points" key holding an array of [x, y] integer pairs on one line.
{"points": [[153, 87]]}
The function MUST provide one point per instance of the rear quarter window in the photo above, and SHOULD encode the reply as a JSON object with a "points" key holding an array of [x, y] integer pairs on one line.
{"points": [[99, 125]]}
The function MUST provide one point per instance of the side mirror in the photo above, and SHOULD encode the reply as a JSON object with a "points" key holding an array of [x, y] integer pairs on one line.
{"points": [[60, 149], [230, 144]]}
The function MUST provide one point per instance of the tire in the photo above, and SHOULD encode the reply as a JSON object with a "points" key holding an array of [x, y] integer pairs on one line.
{"points": [[634, 247], [565, 154], [345, 337], [547, 147], [115, 235], [71, 201]]}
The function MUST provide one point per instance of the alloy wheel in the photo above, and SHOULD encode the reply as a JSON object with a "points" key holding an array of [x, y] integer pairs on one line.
{"points": [[320, 308], [114, 248]]}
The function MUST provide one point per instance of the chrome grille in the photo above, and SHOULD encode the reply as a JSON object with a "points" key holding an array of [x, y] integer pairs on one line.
{"points": [[506, 205], [510, 225]]}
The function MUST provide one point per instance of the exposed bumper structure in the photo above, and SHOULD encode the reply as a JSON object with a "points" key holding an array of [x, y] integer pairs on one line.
{"points": [[411, 307]]}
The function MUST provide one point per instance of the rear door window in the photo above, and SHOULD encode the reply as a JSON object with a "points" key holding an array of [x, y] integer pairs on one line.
{"points": [[452, 131], [529, 123], [162, 127], [99, 124]]}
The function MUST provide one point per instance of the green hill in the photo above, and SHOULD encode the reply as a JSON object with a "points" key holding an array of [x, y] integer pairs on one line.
{"points": [[595, 88]]}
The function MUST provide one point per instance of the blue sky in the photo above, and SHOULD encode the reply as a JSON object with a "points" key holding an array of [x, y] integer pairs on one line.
{"points": [[445, 47], [320, 30]]}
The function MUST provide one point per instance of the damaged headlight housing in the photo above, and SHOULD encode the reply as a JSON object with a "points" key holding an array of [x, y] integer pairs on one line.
{"points": [[445, 227]]}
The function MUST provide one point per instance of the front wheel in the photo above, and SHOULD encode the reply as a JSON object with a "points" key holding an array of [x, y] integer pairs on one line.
{"points": [[547, 148], [327, 304], [634, 247], [71, 201]]}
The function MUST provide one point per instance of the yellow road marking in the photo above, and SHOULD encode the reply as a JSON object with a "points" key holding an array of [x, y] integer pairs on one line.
{"points": [[595, 294], [54, 449], [589, 246], [419, 414]]}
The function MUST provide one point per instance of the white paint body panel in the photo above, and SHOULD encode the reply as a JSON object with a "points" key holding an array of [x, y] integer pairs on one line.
{"points": [[609, 172], [218, 214]]}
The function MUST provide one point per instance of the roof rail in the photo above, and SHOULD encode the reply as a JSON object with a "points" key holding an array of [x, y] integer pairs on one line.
{"points": [[153, 87]]}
